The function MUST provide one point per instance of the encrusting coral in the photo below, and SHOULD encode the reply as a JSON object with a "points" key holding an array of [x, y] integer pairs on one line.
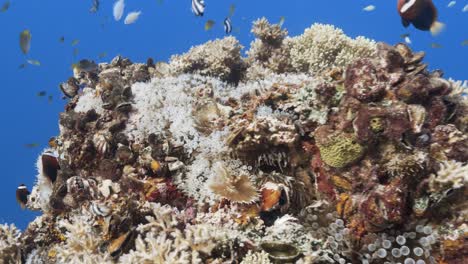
{"points": [[317, 148]]}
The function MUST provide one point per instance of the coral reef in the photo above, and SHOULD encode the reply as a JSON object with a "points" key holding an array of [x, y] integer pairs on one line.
{"points": [[317, 148]]}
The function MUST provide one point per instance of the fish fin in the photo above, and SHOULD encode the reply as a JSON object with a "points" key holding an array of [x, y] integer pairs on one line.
{"points": [[405, 22], [436, 28]]}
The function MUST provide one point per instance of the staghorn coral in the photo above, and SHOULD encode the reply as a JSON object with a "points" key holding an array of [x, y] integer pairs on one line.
{"points": [[451, 174], [317, 148]]}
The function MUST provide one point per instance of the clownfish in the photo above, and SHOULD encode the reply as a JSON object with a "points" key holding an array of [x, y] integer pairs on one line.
{"points": [[421, 13]]}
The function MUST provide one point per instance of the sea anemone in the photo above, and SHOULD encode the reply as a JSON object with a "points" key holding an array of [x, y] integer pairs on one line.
{"points": [[232, 184]]}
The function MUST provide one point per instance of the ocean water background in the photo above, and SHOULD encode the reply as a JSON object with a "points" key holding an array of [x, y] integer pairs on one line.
{"points": [[165, 27]]}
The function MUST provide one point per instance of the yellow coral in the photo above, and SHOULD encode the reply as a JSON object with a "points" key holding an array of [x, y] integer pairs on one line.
{"points": [[341, 151]]}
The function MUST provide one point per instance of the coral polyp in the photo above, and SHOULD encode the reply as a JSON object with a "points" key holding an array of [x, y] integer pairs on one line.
{"points": [[318, 148]]}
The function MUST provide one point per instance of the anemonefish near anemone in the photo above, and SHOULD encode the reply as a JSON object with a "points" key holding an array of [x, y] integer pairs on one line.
{"points": [[421, 13]]}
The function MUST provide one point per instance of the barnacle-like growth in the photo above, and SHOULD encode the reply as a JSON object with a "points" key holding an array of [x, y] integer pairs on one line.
{"points": [[256, 258]]}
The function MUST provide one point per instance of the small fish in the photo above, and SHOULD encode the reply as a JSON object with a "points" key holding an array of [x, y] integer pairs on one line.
{"points": [[209, 24], [75, 52], [52, 142], [132, 17], [102, 55], [5, 6], [232, 9], [227, 25], [465, 8], [465, 43], [85, 65], [281, 21], [421, 13], [62, 39], [407, 40], [198, 7], [22, 194], [31, 145], [436, 46], [95, 7], [34, 62], [50, 98], [75, 42], [452, 3], [22, 66], [118, 9], [25, 41], [41, 93], [369, 8]]}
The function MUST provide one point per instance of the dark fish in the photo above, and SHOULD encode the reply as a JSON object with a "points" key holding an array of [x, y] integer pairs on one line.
{"points": [[421, 13], [50, 98], [5, 6], [198, 7], [227, 25], [41, 93], [22, 194], [62, 39], [25, 41], [50, 165], [22, 66]]}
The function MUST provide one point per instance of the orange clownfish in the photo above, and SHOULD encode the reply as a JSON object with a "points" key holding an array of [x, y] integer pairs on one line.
{"points": [[421, 13]]}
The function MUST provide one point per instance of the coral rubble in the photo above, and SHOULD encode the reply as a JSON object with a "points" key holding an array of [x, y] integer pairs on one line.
{"points": [[318, 148]]}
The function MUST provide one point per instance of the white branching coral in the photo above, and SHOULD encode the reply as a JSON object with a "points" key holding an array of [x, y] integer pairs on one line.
{"points": [[269, 52], [160, 241], [452, 174], [220, 58], [81, 243], [322, 47], [9, 244]]}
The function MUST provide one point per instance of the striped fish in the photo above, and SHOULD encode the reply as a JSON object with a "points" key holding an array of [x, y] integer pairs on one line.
{"points": [[227, 25], [198, 7]]}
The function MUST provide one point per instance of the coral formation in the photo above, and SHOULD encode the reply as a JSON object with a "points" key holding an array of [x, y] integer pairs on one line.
{"points": [[317, 148]]}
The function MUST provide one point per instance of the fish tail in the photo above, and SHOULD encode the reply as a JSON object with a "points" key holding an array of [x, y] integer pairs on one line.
{"points": [[436, 28]]}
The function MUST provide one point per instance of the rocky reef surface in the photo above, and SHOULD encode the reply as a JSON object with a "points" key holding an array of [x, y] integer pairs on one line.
{"points": [[317, 148]]}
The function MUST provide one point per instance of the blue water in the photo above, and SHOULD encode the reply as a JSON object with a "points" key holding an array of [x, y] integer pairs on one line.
{"points": [[162, 30]]}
